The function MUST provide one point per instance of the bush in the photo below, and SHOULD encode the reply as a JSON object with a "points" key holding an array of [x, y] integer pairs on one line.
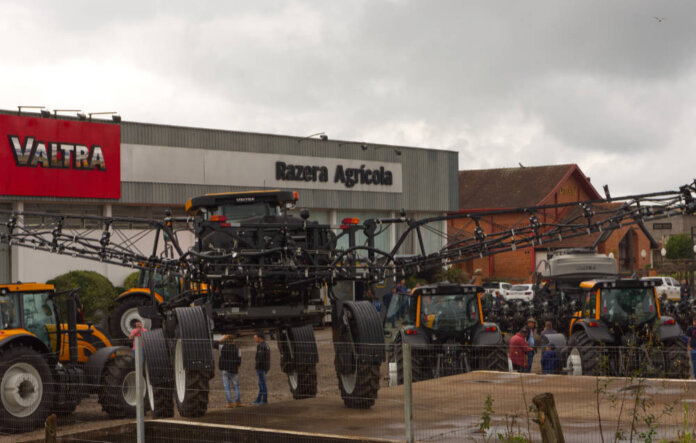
{"points": [[96, 293], [678, 246], [131, 281]]}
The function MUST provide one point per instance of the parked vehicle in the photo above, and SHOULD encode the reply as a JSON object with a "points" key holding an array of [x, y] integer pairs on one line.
{"points": [[494, 287], [666, 287], [521, 292]]}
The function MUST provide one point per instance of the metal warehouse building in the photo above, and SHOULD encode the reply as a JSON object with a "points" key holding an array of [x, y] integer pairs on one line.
{"points": [[127, 169]]}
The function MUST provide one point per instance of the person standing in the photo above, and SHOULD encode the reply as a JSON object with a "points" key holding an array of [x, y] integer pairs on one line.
{"points": [[263, 365], [550, 363], [685, 290], [230, 360], [691, 344], [136, 332], [548, 328], [519, 350], [531, 324]]}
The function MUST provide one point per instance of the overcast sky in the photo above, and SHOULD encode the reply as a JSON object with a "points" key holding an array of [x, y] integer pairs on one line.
{"points": [[610, 86]]}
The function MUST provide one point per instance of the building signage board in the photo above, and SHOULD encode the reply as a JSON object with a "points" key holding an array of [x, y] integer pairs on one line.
{"points": [[256, 170], [49, 157], [662, 226]]}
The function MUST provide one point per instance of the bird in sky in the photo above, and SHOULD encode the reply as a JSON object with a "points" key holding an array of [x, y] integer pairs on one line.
{"points": [[659, 19]]}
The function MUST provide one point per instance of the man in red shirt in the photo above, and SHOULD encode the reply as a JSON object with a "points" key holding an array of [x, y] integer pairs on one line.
{"points": [[519, 349]]}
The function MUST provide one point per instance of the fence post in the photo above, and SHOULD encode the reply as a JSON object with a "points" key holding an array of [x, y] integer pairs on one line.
{"points": [[139, 412], [549, 424], [408, 397], [50, 427]]}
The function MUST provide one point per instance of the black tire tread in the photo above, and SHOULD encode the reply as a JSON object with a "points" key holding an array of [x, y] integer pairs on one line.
{"points": [[8, 356], [367, 329], [110, 395], [195, 402], [303, 341]]}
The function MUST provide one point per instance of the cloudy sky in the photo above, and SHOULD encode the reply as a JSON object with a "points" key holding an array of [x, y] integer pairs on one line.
{"points": [[610, 86]]}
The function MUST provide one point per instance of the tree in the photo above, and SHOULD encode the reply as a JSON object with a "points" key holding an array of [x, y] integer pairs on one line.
{"points": [[96, 292], [678, 246]]}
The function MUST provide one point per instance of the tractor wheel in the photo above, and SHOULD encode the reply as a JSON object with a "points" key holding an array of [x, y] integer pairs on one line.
{"points": [[26, 389], [494, 358], [300, 362], [123, 317], [118, 395], [192, 341], [161, 398], [398, 358], [359, 352], [192, 386], [676, 360], [424, 365], [158, 374], [585, 357]]}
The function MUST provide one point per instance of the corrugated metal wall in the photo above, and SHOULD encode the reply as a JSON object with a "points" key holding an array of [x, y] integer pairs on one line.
{"points": [[430, 176]]}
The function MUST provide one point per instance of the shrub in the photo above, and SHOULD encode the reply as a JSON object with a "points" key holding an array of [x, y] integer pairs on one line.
{"points": [[96, 293], [131, 281], [678, 246]]}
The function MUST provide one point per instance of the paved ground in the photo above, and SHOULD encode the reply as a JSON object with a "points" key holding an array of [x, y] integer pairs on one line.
{"points": [[446, 409]]}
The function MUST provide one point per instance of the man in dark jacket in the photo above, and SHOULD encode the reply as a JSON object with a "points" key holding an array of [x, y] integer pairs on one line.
{"points": [[230, 359], [263, 364], [550, 363]]}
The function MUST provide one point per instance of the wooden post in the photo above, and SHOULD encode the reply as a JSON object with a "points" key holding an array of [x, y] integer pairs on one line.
{"points": [[51, 428], [549, 424]]}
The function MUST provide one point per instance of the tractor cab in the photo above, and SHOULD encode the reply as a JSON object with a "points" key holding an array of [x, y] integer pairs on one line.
{"points": [[239, 206], [446, 308], [618, 303], [31, 308], [447, 312]]}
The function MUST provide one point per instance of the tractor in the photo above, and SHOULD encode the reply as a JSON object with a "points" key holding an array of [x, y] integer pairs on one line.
{"points": [[48, 366], [260, 267], [448, 334], [620, 331]]}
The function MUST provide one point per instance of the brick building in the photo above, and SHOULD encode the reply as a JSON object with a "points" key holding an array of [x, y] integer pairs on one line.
{"points": [[493, 189]]}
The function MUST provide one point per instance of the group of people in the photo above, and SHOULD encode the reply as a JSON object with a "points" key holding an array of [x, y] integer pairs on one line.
{"points": [[230, 361], [522, 349]]}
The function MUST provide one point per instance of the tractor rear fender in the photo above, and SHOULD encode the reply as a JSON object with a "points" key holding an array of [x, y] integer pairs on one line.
{"points": [[197, 344], [138, 292], [24, 338], [557, 339], [419, 339], [487, 334], [596, 333], [96, 362], [667, 331]]}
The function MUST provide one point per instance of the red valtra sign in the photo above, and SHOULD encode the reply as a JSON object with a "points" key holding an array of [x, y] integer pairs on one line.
{"points": [[49, 157]]}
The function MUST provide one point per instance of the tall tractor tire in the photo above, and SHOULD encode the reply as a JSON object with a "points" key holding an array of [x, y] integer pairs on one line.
{"points": [[122, 318], [585, 356], [118, 394], [359, 347], [676, 360], [299, 358], [493, 358], [159, 374], [27, 389], [193, 361]]}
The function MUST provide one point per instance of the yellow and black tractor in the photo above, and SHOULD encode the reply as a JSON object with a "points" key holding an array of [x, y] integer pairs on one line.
{"points": [[620, 331], [48, 364], [445, 326]]}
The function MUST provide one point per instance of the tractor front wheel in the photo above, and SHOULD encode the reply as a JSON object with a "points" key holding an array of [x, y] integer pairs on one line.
{"points": [[26, 389]]}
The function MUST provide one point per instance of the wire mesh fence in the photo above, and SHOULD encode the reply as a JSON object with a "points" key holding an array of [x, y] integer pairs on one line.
{"points": [[459, 393]]}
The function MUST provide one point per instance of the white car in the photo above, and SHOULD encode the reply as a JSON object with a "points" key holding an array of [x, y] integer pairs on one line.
{"points": [[521, 292], [494, 287], [666, 286]]}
